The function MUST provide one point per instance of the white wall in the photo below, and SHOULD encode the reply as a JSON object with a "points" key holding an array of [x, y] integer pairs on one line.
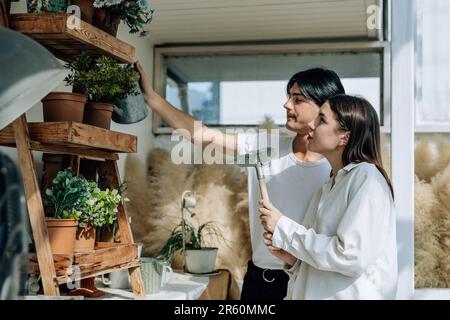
{"points": [[143, 130]]}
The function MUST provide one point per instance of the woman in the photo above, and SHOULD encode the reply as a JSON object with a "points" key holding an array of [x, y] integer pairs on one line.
{"points": [[345, 247]]}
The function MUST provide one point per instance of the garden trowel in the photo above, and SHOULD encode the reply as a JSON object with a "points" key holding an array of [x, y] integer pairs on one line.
{"points": [[255, 159]]}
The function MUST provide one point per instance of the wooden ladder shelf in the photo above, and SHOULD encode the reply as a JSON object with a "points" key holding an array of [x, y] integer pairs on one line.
{"points": [[92, 149], [84, 142]]}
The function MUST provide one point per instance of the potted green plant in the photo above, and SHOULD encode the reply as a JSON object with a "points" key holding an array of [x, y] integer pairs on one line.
{"points": [[107, 82], [199, 256], [65, 198], [41, 6], [60, 6], [69, 106], [135, 13], [100, 209]]}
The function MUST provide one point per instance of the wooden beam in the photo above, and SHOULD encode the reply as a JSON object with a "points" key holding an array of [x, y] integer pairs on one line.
{"points": [[63, 264], [97, 155], [35, 208], [96, 137], [5, 6], [94, 273], [76, 135], [107, 257], [110, 172]]}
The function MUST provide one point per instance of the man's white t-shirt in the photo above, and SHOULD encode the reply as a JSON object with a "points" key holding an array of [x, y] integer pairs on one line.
{"points": [[291, 183]]}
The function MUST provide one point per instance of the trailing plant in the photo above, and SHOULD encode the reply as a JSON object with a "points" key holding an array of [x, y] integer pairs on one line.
{"points": [[135, 13], [194, 238], [67, 195]]}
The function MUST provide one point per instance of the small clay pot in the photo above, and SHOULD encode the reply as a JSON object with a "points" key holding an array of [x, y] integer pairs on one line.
{"points": [[98, 114], [61, 233], [104, 21], [86, 9], [85, 240], [63, 106]]}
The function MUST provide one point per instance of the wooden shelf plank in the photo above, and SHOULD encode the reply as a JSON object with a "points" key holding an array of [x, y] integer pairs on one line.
{"points": [[94, 273], [52, 31], [104, 259], [74, 135]]}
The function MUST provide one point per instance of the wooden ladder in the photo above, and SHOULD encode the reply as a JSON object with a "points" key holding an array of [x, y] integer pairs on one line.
{"points": [[108, 170]]}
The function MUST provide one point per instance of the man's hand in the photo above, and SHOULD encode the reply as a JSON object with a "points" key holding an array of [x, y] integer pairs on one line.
{"points": [[269, 215], [144, 81], [277, 252]]}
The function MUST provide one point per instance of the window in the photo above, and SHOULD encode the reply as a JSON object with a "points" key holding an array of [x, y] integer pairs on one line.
{"points": [[433, 66], [241, 89]]}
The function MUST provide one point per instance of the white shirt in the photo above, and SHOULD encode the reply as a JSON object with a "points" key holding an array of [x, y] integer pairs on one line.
{"points": [[346, 245], [291, 183]]}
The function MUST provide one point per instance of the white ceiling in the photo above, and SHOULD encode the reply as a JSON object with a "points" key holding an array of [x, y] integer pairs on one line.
{"points": [[192, 21]]}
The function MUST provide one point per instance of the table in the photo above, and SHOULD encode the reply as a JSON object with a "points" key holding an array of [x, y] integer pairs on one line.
{"points": [[181, 286]]}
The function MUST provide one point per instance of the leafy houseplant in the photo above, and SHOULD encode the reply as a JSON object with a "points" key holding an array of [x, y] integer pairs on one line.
{"points": [[100, 209], [109, 81], [194, 242], [102, 79], [135, 13], [66, 106], [77, 67], [105, 82], [85, 203], [40, 6], [66, 197]]}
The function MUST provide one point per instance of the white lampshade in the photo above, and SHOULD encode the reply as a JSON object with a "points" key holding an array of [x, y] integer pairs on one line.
{"points": [[28, 72]]}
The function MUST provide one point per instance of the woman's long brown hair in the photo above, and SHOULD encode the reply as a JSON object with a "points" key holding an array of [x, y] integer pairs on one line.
{"points": [[357, 115]]}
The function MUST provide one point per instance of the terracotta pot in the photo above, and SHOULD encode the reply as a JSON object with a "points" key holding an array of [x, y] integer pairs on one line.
{"points": [[104, 21], [63, 106], [98, 114], [62, 235], [85, 240], [86, 9]]}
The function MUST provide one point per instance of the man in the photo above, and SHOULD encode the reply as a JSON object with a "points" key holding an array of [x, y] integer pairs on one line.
{"points": [[292, 178]]}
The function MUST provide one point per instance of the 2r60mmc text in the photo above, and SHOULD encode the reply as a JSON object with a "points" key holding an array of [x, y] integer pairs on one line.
{"points": [[246, 309]]}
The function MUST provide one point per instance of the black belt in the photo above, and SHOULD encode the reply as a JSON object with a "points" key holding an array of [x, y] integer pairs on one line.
{"points": [[268, 275]]}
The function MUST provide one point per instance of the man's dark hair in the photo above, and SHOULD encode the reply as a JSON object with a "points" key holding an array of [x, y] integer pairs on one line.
{"points": [[317, 84]]}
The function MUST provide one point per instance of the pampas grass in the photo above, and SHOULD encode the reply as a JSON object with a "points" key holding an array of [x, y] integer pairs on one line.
{"points": [[428, 251], [432, 212], [155, 198], [431, 157], [222, 197], [441, 187], [155, 201]]}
